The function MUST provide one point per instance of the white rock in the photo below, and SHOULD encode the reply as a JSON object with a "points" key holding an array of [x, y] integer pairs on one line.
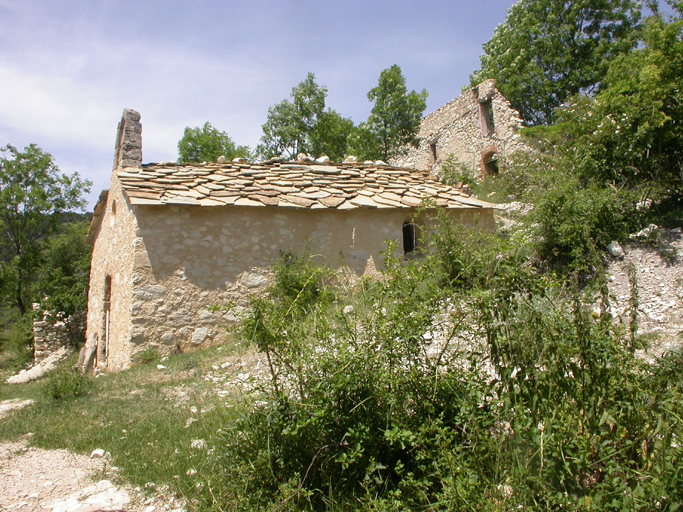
{"points": [[615, 250], [322, 160], [222, 160], [198, 444], [97, 454], [161, 367], [351, 159], [199, 335]]}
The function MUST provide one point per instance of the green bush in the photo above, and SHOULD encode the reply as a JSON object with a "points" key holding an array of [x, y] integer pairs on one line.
{"points": [[574, 223], [503, 389], [65, 384]]}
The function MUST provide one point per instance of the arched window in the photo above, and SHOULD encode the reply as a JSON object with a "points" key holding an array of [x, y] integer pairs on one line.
{"points": [[411, 239], [489, 162]]}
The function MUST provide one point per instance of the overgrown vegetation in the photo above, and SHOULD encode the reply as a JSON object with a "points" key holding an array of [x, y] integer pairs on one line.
{"points": [[461, 381]]}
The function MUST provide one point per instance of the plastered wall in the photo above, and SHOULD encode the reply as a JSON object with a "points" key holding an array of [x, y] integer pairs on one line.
{"points": [[195, 268]]}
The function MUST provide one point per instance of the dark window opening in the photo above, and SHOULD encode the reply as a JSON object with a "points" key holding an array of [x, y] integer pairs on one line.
{"points": [[432, 153], [410, 239], [486, 123], [102, 352], [491, 167]]}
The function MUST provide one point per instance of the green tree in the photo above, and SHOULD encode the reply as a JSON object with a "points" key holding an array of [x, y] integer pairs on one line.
{"points": [[33, 194], [206, 144], [302, 125], [394, 120], [547, 51], [65, 272]]}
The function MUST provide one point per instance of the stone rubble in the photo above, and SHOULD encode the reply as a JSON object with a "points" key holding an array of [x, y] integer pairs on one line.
{"points": [[39, 370], [659, 278]]}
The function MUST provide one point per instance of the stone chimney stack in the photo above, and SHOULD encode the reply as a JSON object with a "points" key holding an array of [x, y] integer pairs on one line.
{"points": [[128, 151]]}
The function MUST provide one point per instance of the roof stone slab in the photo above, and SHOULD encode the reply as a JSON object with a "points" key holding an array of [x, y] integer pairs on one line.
{"points": [[290, 185]]}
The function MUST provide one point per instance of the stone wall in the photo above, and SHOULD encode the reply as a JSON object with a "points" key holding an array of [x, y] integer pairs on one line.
{"points": [[49, 335], [459, 128], [191, 259], [111, 271]]}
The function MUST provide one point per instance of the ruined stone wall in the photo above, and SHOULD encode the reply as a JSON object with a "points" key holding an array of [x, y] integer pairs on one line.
{"points": [[456, 129], [190, 259], [49, 335]]}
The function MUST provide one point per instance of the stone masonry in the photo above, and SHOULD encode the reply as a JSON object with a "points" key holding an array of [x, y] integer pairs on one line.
{"points": [[49, 336], [478, 128]]}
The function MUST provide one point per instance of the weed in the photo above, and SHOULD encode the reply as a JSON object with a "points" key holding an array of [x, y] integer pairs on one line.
{"points": [[67, 383], [147, 356]]}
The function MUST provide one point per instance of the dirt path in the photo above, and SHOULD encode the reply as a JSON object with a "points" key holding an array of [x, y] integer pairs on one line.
{"points": [[35, 480]]}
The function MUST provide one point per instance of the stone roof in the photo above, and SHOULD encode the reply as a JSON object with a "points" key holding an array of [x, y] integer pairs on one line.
{"points": [[275, 182]]}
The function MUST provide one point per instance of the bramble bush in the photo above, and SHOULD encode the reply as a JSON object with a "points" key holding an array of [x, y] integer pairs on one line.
{"points": [[461, 381]]}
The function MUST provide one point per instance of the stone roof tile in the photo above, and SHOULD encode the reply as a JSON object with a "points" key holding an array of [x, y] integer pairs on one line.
{"points": [[292, 185]]}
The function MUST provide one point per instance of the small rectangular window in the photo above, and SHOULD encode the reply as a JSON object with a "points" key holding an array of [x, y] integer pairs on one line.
{"points": [[432, 153], [486, 123]]}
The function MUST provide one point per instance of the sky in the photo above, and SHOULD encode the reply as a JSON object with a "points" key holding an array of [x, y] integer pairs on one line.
{"points": [[68, 68]]}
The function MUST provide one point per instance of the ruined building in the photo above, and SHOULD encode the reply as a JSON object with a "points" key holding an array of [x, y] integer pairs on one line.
{"points": [[478, 128]]}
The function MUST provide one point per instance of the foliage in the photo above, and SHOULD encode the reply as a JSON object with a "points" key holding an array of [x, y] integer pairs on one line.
{"points": [[464, 381], [206, 144], [575, 222], [16, 339], [66, 271], [547, 51], [394, 120], [33, 194], [630, 135], [67, 384], [304, 126], [607, 155]]}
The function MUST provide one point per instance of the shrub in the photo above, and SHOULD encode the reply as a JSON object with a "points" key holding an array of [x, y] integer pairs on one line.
{"points": [[574, 223], [503, 389], [64, 384]]}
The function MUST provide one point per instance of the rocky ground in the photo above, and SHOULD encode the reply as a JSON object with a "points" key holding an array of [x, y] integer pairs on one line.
{"points": [[659, 280]]}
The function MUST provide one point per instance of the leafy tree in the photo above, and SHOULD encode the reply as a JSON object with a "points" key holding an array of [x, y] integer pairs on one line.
{"points": [[64, 275], [631, 134], [394, 120], [304, 126], [206, 144], [330, 134], [547, 51], [33, 194]]}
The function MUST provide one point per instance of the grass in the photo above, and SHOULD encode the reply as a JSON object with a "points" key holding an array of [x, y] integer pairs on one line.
{"points": [[152, 421]]}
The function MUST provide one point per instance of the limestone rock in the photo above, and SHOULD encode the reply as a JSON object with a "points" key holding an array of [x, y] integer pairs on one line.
{"points": [[255, 280], [615, 250], [199, 335], [97, 454], [149, 292]]}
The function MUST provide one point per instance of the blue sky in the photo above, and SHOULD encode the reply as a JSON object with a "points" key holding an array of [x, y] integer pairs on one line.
{"points": [[69, 68]]}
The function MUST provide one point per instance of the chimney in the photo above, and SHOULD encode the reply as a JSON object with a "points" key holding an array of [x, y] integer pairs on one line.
{"points": [[128, 151]]}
